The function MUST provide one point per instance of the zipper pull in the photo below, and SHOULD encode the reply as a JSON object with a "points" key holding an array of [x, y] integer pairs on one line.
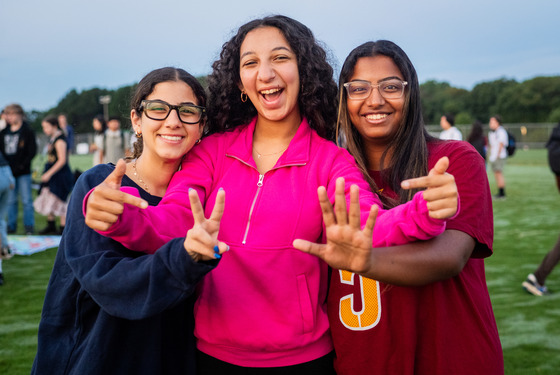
{"points": [[261, 178]]}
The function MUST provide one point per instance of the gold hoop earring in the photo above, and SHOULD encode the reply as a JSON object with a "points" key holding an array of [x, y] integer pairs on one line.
{"points": [[243, 96]]}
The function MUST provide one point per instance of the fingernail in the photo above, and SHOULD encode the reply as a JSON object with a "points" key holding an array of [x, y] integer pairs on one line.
{"points": [[227, 248], [217, 256], [216, 249], [221, 188], [190, 189]]}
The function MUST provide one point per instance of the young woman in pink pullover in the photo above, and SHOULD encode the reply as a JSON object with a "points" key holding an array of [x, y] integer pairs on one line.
{"points": [[271, 125]]}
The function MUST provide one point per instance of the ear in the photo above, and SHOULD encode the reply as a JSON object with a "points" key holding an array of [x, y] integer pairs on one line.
{"points": [[136, 121], [240, 85]]}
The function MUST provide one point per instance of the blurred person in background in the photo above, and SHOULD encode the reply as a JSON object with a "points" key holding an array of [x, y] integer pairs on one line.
{"points": [[535, 281], [18, 143], [450, 132], [68, 131], [477, 139], [57, 179], [498, 140], [3, 121], [7, 183], [115, 143], [99, 127]]}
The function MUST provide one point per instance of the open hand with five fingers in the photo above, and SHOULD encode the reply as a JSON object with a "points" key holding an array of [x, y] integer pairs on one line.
{"points": [[348, 246]]}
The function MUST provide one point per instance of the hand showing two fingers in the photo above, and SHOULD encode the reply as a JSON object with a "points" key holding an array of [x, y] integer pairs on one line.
{"points": [[106, 202], [441, 194], [201, 241], [348, 246]]}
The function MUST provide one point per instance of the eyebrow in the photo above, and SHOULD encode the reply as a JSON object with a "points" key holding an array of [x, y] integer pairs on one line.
{"points": [[381, 80], [274, 49]]}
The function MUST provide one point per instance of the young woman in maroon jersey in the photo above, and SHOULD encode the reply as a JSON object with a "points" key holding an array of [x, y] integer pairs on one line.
{"points": [[420, 308]]}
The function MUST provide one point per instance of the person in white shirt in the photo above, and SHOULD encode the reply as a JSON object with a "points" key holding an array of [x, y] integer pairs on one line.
{"points": [[498, 140], [450, 132]]}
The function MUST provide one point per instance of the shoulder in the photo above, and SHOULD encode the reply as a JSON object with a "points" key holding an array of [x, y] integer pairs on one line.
{"points": [[464, 160], [451, 149], [94, 176]]}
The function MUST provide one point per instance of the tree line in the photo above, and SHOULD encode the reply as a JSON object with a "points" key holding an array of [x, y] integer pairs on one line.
{"points": [[531, 101]]}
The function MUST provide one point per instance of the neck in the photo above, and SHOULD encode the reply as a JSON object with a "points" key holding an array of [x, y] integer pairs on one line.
{"points": [[373, 154], [146, 168], [15, 126]]}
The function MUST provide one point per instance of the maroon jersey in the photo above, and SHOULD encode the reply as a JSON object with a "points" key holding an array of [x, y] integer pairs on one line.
{"points": [[447, 327]]}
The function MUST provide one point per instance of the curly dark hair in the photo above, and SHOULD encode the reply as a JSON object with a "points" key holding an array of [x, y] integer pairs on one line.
{"points": [[317, 97], [147, 84], [410, 139]]}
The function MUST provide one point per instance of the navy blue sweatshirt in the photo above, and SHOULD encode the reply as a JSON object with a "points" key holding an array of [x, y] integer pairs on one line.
{"points": [[109, 310]]}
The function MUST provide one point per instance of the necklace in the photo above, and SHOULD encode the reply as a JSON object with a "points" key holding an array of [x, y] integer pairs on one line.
{"points": [[138, 176], [259, 155]]}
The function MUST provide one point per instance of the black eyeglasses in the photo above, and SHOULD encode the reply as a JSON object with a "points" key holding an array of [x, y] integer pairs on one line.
{"points": [[160, 110], [390, 89]]}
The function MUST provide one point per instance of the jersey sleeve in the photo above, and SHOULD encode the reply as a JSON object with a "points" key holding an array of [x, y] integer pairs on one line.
{"points": [[476, 216]]}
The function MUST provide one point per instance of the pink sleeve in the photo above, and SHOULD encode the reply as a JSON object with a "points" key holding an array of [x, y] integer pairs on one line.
{"points": [[402, 224], [149, 229], [406, 223]]}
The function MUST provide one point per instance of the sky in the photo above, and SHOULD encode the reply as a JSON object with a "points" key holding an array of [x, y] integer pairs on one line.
{"points": [[48, 48]]}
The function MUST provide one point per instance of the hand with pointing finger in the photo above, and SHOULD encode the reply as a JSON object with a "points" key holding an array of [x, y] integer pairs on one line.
{"points": [[441, 194], [106, 202], [348, 246], [202, 239]]}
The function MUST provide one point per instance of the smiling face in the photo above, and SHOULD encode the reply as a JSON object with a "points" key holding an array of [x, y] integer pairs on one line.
{"points": [[269, 75], [376, 118], [168, 139]]}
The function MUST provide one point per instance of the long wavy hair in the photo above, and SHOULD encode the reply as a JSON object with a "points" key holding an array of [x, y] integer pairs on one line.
{"points": [[409, 156], [317, 96], [146, 86]]}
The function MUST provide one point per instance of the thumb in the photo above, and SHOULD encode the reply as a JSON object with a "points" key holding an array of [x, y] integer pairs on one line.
{"points": [[114, 180], [309, 247], [440, 167]]}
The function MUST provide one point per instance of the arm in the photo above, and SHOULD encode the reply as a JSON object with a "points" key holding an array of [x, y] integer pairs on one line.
{"points": [[61, 151], [148, 229], [349, 246], [421, 262], [126, 284]]}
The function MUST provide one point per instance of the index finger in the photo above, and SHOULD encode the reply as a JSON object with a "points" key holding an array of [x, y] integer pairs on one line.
{"points": [[196, 206]]}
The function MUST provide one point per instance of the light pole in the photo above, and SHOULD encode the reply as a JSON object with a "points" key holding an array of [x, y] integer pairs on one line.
{"points": [[105, 100]]}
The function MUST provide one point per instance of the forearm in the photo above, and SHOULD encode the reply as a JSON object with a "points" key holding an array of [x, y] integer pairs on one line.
{"points": [[54, 168], [422, 262], [405, 223]]}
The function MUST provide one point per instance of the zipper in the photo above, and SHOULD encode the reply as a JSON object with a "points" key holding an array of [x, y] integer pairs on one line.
{"points": [[259, 186]]}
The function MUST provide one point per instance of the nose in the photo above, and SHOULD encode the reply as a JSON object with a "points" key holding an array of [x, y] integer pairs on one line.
{"points": [[375, 97], [173, 119], [266, 72]]}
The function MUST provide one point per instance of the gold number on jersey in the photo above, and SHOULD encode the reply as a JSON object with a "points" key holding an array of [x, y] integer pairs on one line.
{"points": [[369, 315]]}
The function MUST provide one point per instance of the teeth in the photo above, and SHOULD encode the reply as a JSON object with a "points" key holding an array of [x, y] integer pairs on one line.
{"points": [[376, 117], [171, 137], [270, 91]]}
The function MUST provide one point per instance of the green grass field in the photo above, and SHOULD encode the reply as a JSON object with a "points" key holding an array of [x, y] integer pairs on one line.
{"points": [[526, 227]]}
